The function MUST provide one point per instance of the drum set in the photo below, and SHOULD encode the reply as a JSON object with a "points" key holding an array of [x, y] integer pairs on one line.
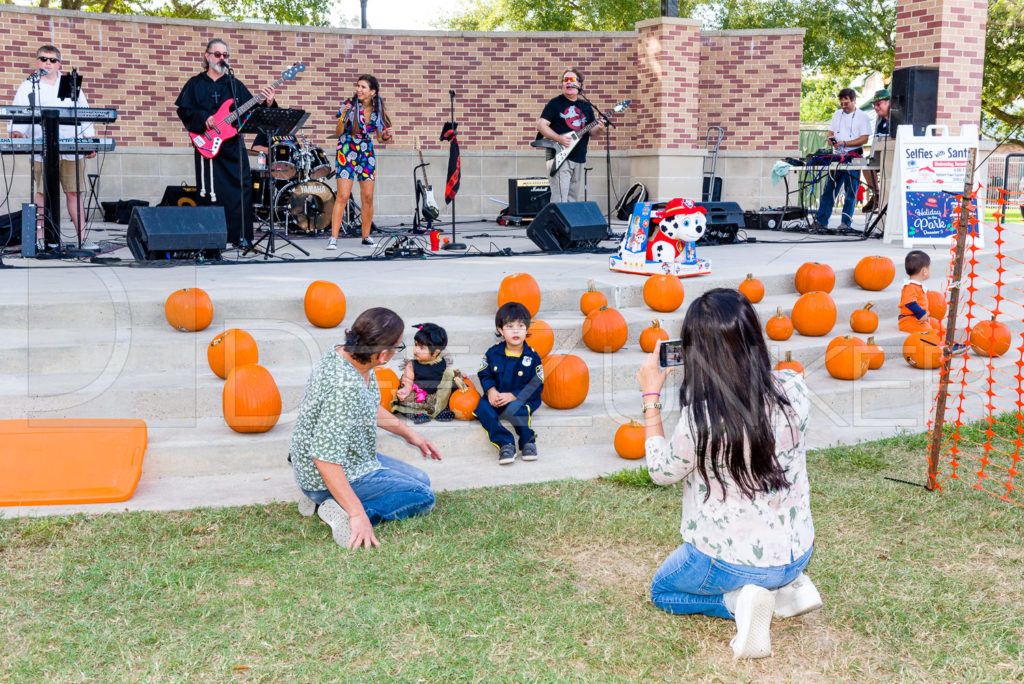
{"points": [[289, 182]]}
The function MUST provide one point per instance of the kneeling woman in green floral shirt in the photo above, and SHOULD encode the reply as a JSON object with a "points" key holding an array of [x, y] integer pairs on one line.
{"points": [[334, 445]]}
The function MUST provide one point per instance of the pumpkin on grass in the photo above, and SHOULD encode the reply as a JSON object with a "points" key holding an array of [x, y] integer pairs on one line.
{"points": [[592, 299], [540, 337], [189, 310], [522, 288], [664, 293], [650, 336], [231, 348], [250, 399], [846, 358], [864, 321], [936, 305], [388, 384], [814, 277], [990, 338], [779, 327], [324, 304], [629, 440], [566, 381], [923, 350], [814, 314], [874, 272], [605, 330], [752, 289], [876, 355], [464, 398], [790, 364]]}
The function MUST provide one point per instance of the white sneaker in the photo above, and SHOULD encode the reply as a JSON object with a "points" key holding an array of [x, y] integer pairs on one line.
{"points": [[754, 607], [796, 598], [336, 517], [369, 241], [332, 243], [306, 505]]}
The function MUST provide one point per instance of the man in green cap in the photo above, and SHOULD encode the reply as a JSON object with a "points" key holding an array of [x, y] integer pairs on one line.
{"points": [[881, 104]]}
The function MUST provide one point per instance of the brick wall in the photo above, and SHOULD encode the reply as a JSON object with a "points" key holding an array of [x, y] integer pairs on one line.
{"points": [[667, 59]]}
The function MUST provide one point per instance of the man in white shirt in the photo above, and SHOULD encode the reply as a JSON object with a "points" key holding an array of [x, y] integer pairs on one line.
{"points": [[848, 132], [48, 65]]}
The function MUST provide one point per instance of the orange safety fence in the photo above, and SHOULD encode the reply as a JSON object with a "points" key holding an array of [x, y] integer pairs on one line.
{"points": [[983, 421]]}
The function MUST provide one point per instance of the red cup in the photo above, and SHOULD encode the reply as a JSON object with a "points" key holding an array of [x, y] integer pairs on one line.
{"points": [[435, 240]]}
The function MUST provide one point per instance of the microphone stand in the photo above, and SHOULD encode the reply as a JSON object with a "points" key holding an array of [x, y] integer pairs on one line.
{"points": [[33, 101], [608, 125], [80, 227], [454, 244], [243, 240]]}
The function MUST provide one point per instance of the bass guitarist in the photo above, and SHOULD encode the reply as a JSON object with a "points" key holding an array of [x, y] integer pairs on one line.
{"points": [[225, 178], [562, 115]]}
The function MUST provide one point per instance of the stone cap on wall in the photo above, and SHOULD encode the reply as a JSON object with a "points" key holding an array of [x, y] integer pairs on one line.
{"points": [[756, 32]]}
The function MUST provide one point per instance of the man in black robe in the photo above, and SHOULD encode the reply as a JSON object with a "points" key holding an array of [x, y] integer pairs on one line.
{"points": [[224, 179]]}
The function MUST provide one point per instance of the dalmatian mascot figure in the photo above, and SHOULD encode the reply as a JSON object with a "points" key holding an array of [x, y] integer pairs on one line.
{"points": [[671, 249]]}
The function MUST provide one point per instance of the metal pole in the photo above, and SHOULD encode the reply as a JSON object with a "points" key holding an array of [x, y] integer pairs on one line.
{"points": [[363, 21], [670, 8]]}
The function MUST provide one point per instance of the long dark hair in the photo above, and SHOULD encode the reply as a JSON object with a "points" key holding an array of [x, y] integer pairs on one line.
{"points": [[378, 105], [730, 394], [374, 331]]}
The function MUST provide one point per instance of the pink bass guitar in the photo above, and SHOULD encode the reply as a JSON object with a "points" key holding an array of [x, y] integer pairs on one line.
{"points": [[223, 128]]}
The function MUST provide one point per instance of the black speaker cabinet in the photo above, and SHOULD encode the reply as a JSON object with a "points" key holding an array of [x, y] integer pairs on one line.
{"points": [[568, 225], [915, 93], [177, 233], [527, 196], [724, 220]]}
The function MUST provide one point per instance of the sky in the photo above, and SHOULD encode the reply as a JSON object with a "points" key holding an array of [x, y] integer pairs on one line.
{"points": [[398, 14]]}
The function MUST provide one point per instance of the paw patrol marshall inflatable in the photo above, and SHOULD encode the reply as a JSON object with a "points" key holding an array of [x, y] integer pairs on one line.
{"points": [[663, 242]]}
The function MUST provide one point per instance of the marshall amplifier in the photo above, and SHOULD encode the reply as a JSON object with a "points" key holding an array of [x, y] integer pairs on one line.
{"points": [[527, 196]]}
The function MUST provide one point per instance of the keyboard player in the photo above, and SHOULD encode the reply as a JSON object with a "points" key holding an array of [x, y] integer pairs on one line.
{"points": [[48, 73]]}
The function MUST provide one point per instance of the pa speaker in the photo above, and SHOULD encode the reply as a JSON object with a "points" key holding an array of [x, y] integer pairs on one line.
{"points": [[177, 233], [725, 219], [915, 96], [568, 225]]}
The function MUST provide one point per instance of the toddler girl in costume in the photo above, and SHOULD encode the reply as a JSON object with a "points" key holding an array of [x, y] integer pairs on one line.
{"points": [[427, 378]]}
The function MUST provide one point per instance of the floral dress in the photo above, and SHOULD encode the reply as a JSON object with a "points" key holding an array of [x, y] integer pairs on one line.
{"points": [[356, 159]]}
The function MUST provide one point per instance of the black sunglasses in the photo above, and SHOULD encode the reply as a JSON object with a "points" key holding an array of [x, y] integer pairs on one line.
{"points": [[219, 55], [399, 348], [51, 60]]}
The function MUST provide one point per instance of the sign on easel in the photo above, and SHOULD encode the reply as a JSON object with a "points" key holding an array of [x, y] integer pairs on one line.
{"points": [[929, 174]]}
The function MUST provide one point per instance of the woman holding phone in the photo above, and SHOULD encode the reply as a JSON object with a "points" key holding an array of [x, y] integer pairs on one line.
{"points": [[739, 451]]}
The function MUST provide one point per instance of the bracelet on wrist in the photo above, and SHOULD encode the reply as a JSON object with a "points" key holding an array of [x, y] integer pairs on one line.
{"points": [[651, 394]]}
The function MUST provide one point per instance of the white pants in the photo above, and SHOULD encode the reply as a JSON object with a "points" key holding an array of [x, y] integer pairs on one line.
{"points": [[566, 184]]}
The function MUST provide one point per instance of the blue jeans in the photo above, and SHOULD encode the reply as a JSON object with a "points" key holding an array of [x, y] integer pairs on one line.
{"points": [[396, 491], [848, 181], [690, 581]]}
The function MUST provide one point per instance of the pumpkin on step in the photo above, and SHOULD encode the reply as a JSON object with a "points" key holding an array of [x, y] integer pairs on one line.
{"points": [[936, 305], [650, 336], [876, 355], [324, 304], [250, 399], [388, 384], [566, 381], [189, 310], [779, 327], [464, 399], [814, 314], [874, 272], [923, 350], [990, 338], [663, 293], [592, 299], [605, 330], [814, 277], [790, 364], [540, 337], [864, 321], [522, 288], [629, 440], [752, 289], [846, 358], [231, 348]]}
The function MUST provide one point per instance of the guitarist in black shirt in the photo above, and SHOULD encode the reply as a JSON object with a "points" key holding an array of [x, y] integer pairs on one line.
{"points": [[563, 115]]}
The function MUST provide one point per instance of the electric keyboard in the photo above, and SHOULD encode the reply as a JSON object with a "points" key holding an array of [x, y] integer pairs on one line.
{"points": [[20, 114], [65, 146]]}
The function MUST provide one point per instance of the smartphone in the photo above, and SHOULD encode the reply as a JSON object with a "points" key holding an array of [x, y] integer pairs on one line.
{"points": [[671, 353]]}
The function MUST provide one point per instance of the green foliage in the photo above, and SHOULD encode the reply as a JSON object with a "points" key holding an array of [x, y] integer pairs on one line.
{"points": [[818, 97], [302, 12], [572, 15], [1001, 103], [631, 477]]}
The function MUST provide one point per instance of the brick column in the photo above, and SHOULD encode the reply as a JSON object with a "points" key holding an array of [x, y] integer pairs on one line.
{"points": [[949, 34], [668, 78]]}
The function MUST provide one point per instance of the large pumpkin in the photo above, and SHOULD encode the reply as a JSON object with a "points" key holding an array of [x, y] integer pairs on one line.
{"points": [[605, 330], [650, 336], [990, 338], [814, 314], [790, 364], [231, 348], [874, 272], [522, 288], [464, 399], [566, 381], [752, 289], [664, 293], [876, 355], [936, 305], [189, 310], [779, 327], [923, 350], [846, 358], [629, 440], [388, 384], [592, 299], [540, 337], [864, 321], [814, 277], [324, 304], [250, 399]]}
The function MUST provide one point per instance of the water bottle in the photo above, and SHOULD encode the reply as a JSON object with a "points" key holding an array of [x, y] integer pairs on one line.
{"points": [[261, 161]]}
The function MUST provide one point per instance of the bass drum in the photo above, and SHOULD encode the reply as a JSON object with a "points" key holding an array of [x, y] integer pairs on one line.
{"points": [[320, 166], [309, 204]]}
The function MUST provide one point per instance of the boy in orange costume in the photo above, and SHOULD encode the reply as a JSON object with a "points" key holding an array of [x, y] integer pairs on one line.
{"points": [[914, 315]]}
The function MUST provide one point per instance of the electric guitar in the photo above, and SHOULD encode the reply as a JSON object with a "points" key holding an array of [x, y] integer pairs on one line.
{"points": [[425, 190], [209, 143], [562, 153]]}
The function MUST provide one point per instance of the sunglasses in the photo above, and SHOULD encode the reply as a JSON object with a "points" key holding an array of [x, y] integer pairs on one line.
{"points": [[399, 349], [219, 55], [51, 60], [570, 79]]}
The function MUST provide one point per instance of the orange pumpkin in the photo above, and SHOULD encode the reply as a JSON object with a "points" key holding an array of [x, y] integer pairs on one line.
{"points": [[874, 272], [790, 364], [814, 277], [464, 399], [250, 399], [388, 384], [629, 440], [846, 358], [990, 338], [566, 381], [231, 348], [936, 305], [752, 289], [663, 293], [522, 288], [592, 299], [779, 327], [650, 336], [189, 310], [814, 314], [923, 350], [876, 355], [540, 337], [324, 304], [605, 330], [864, 321]]}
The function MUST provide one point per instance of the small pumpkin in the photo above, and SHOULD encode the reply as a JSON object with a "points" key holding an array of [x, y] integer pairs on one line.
{"points": [[876, 355], [814, 277], [605, 330], [664, 293], [936, 305], [231, 348], [189, 309], [522, 288], [790, 364], [779, 327], [566, 381], [814, 314], [923, 350], [990, 338], [540, 337], [846, 358], [650, 336], [464, 399], [874, 272], [592, 299], [250, 399], [629, 440], [864, 321], [388, 384], [324, 304], [752, 289]]}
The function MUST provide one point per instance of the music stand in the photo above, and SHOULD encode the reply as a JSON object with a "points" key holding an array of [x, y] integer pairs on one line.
{"points": [[273, 122]]}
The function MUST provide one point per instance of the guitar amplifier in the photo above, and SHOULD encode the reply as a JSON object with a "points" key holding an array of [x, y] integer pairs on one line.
{"points": [[725, 219], [527, 196]]}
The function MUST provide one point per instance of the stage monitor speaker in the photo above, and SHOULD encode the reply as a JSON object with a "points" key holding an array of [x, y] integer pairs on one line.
{"points": [[568, 225], [724, 220], [177, 233], [527, 196], [915, 97]]}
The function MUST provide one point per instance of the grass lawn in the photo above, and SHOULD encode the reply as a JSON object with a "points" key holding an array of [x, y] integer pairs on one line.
{"points": [[541, 582]]}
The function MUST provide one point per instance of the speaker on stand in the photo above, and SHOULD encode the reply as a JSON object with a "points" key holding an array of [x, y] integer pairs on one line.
{"points": [[568, 225], [915, 98]]}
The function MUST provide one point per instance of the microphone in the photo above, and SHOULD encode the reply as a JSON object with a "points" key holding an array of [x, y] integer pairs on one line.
{"points": [[451, 93], [38, 74]]}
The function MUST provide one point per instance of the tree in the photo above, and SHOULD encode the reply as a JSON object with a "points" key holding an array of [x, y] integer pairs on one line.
{"points": [[304, 12], [569, 15], [1002, 105]]}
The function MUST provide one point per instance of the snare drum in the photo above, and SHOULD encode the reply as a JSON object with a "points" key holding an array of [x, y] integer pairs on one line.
{"points": [[282, 159], [319, 165]]}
